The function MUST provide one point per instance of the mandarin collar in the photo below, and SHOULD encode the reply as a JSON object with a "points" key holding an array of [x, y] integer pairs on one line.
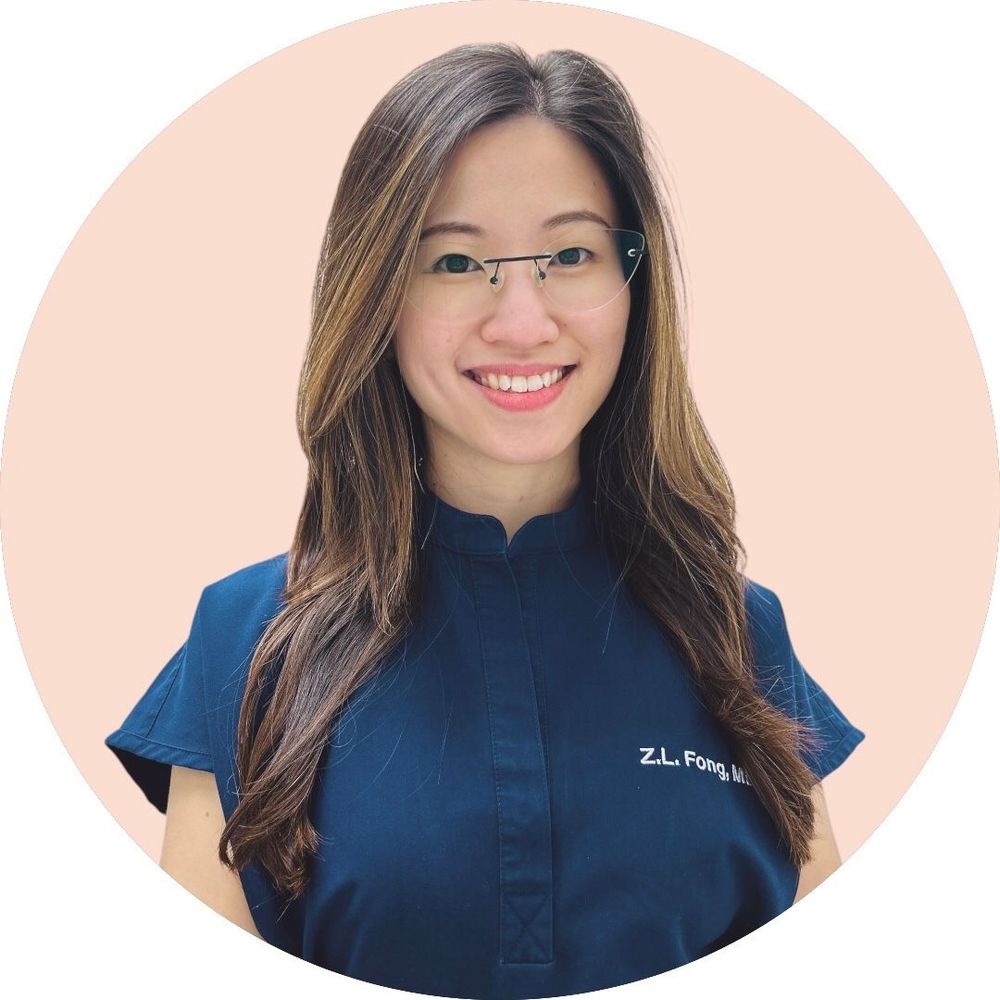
{"points": [[485, 535]]}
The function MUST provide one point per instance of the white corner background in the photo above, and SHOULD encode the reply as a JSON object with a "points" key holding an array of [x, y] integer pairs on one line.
{"points": [[87, 86]]}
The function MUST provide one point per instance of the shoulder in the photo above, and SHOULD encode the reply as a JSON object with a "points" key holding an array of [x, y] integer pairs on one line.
{"points": [[766, 617], [233, 611], [257, 587], [762, 603]]}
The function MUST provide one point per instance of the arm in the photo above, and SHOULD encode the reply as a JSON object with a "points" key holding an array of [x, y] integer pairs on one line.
{"points": [[190, 845], [825, 856]]}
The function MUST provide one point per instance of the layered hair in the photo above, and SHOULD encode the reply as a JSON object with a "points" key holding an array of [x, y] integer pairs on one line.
{"points": [[665, 508]]}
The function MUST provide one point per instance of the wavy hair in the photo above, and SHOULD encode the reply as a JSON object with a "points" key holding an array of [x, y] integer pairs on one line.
{"points": [[665, 507]]}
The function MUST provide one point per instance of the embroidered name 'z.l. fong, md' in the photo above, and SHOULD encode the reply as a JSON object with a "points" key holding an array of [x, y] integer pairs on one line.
{"points": [[693, 759]]}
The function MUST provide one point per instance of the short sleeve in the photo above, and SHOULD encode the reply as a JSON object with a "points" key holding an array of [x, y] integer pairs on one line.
{"points": [[168, 724], [784, 681]]}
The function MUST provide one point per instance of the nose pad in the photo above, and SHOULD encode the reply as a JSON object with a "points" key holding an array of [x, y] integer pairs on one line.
{"points": [[497, 277]]}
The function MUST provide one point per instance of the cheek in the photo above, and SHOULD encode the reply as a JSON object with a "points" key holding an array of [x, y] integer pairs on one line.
{"points": [[420, 339], [605, 345], [425, 354], [620, 329], [412, 342], [605, 336], [406, 336]]}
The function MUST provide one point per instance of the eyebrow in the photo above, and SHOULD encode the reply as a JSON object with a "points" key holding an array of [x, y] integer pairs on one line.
{"points": [[467, 229]]}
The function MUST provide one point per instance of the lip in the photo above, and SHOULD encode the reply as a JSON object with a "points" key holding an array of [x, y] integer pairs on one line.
{"points": [[520, 401]]}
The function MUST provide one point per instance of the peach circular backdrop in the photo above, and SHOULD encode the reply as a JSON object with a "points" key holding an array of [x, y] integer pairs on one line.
{"points": [[150, 444]]}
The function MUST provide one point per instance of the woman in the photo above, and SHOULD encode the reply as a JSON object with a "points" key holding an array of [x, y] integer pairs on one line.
{"points": [[507, 720]]}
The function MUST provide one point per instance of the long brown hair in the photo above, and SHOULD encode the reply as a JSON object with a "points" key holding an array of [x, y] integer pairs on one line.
{"points": [[665, 506]]}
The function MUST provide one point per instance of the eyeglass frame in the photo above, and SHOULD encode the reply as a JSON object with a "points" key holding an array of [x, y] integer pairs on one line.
{"points": [[496, 282]]}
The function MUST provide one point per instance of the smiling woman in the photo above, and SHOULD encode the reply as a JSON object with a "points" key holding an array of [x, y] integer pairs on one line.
{"points": [[512, 720]]}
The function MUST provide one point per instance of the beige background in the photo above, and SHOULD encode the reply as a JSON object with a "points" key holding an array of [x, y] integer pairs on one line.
{"points": [[150, 445]]}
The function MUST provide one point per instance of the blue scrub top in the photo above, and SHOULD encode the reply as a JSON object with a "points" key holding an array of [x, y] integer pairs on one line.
{"points": [[528, 799]]}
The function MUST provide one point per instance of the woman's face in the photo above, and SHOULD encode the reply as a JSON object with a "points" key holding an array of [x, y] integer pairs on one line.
{"points": [[503, 187]]}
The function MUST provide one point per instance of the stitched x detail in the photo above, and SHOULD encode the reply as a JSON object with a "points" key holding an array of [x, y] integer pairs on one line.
{"points": [[526, 909]]}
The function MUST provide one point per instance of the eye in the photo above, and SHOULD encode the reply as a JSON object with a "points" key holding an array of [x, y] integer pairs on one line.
{"points": [[455, 263], [570, 257]]}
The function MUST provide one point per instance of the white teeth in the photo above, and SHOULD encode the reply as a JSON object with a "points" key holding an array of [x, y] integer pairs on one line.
{"points": [[520, 383]]}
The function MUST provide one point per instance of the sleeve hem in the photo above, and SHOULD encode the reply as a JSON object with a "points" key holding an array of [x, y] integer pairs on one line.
{"points": [[832, 757], [148, 763], [164, 753]]}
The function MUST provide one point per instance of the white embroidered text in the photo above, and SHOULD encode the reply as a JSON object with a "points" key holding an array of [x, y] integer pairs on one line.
{"points": [[695, 760]]}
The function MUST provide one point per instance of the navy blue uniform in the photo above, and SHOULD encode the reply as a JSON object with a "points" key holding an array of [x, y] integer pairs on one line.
{"points": [[528, 799]]}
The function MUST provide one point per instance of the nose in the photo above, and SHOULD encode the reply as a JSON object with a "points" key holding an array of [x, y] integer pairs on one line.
{"points": [[522, 312]]}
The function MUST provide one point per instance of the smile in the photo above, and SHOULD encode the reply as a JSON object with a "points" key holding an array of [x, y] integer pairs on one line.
{"points": [[520, 383], [519, 393]]}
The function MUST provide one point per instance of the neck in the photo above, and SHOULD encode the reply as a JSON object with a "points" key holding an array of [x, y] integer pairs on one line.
{"points": [[511, 493]]}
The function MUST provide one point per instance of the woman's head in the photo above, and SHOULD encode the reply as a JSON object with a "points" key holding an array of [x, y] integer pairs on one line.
{"points": [[514, 187], [486, 136]]}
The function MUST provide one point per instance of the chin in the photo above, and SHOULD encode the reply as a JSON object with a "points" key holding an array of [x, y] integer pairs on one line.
{"points": [[530, 454]]}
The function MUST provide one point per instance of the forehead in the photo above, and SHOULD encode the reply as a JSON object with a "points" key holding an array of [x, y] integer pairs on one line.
{"points": [[510, 176]]}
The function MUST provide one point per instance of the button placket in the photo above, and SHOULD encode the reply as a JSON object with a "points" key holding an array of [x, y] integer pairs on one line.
{"points": [[523, 816]]}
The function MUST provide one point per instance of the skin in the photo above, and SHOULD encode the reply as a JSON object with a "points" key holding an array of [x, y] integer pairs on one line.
{"points": [[191, 844], [825, 858], [508, 178]]}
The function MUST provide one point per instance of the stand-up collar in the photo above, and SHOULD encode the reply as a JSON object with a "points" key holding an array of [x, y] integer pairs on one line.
{"points": [[484, 534]]}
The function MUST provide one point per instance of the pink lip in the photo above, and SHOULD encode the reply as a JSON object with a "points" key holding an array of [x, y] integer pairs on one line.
{"points": [[520, 401]]}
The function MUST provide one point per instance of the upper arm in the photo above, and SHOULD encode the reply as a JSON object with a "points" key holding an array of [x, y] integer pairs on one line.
{"points": [[191, 845], [825, 857]]}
